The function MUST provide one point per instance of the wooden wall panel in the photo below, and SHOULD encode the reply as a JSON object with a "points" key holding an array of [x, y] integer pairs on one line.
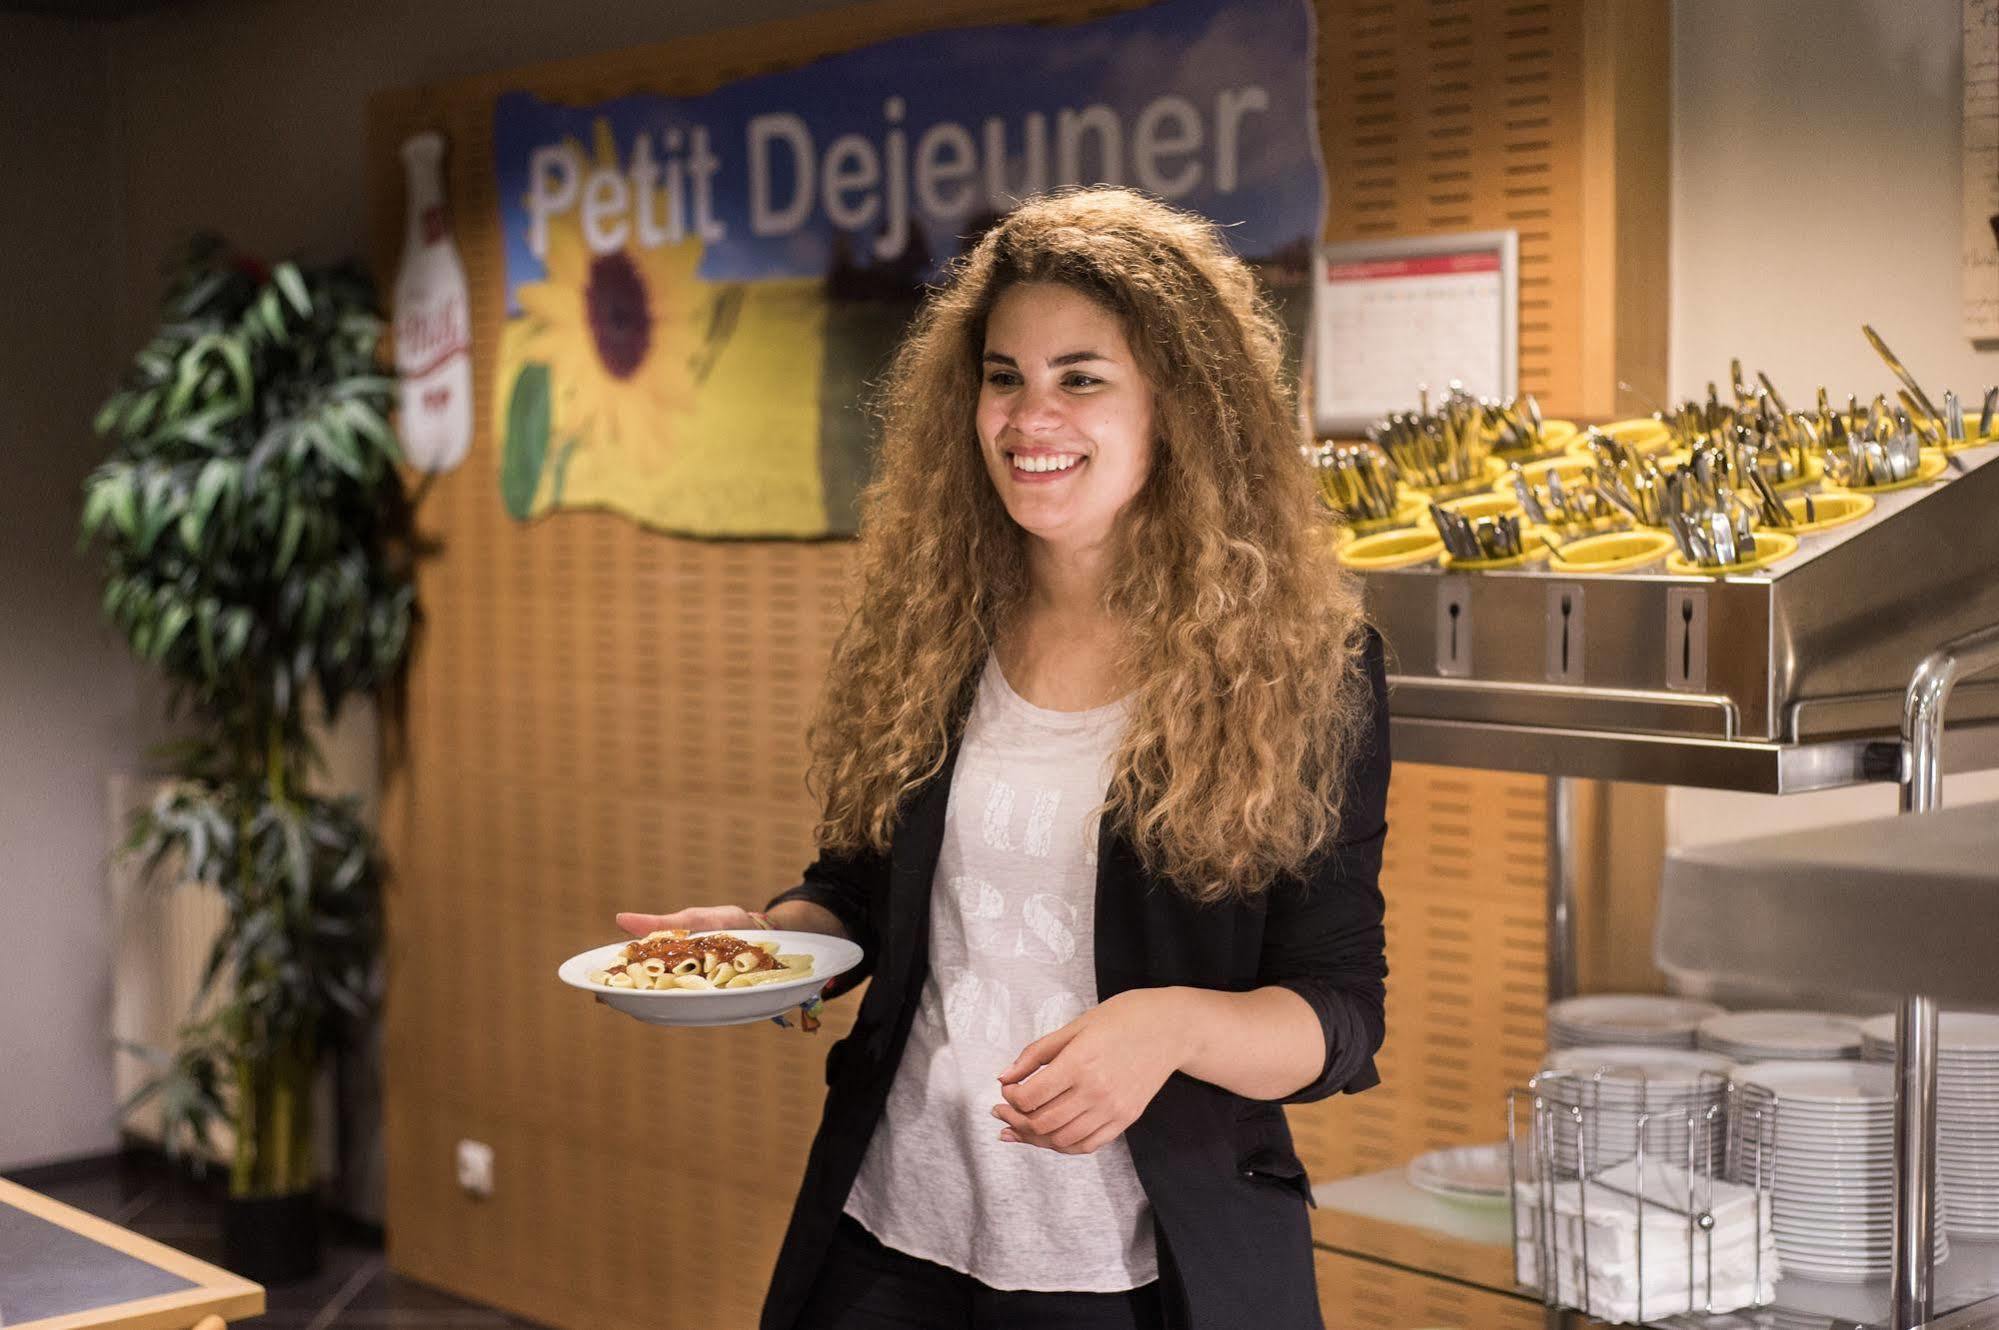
{"points": [[1467, 984], [604, 718], [1466, 115], [1358, 1294]]}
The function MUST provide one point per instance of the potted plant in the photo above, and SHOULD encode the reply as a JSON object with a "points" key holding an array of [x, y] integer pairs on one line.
{"points": [[256, 541]]}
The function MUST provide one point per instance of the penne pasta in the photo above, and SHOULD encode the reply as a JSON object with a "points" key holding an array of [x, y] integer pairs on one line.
{"points": [[669, 961]]}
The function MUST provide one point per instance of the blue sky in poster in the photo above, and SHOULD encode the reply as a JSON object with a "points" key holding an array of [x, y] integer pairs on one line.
{"points": [[1242, 71]]}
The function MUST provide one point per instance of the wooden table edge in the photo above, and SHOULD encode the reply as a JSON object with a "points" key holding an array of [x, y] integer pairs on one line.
{"points": [[217, 1291]]}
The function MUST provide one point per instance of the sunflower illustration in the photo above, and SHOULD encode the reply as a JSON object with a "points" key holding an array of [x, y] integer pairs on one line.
{"points": [[619, 333]]}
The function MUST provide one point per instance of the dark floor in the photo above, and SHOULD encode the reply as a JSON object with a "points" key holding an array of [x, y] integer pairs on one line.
{"points": [[354, 1289]]}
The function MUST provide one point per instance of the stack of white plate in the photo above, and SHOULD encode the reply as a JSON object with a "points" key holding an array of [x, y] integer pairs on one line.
{"points": [[1626, 1019], [1833, 1166], [1677, 1096], [1967, 1114], [1781, 1036]]}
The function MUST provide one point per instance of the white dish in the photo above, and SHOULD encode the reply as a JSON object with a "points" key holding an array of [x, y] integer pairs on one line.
{"points": [[1783, 1034], [1480, 1173], [1823, 1084], [724, 1006], [1634, 1065], [1973, 1032], [1631, 1017]]}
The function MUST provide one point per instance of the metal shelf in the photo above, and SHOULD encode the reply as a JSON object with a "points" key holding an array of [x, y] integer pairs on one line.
{"points": [[1785, 680], [1379, 1217], [1748, 766]]}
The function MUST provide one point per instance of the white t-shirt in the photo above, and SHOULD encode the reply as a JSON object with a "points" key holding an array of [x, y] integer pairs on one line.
{"points": [[1012, 958]]}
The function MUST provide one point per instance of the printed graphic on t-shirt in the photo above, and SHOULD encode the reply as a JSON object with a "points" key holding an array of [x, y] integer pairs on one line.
{"points": [[1022, 927]]}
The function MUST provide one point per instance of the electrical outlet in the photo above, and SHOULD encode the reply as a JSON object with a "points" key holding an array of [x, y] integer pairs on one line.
{"points": [[475, 1168]]}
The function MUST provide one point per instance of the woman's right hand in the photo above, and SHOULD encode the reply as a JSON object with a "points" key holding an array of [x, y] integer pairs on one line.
{"points": [[697, 919]]}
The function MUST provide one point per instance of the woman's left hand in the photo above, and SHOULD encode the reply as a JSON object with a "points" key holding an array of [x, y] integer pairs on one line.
{"points": [[1094, 1076]]}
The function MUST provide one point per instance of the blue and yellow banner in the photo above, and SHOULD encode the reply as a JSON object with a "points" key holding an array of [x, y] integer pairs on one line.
{"points": [[700, 290]]}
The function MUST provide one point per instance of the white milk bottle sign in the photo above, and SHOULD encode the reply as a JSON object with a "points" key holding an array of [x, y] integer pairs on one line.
{"points": [[433, 321]]}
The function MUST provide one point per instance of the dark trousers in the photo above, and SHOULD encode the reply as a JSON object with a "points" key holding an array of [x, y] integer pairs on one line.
{"points": [[866, 1286]]}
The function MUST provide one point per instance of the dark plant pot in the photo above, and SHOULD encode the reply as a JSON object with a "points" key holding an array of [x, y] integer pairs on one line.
{"points": [[272, 1239]]}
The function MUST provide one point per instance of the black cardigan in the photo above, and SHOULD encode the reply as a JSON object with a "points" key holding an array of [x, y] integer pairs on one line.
{"points": [[1227, 1191]]}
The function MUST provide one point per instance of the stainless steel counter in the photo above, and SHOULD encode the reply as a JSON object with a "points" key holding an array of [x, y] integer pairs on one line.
{"points": [[1786, 679]]}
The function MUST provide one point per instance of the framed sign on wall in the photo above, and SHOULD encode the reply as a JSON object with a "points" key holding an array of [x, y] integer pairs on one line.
{"points": [[1391, 317]]}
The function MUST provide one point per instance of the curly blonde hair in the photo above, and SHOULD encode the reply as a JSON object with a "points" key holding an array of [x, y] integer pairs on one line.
{"points": [[1241, 635]]}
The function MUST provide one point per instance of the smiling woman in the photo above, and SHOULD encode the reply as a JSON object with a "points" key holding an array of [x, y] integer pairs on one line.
{"points": [[1107, 705]]}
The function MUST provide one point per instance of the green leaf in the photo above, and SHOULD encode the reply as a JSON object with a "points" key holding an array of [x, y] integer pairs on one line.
{"points": [[525, 451], [172, 619], [370, 425], [139, 416], [107, 415], [199, 428], [100, 497], [158, 511], [187, 379], [219, 478], [287, 277], [336, 444], [198, 295], [235, 632], [235, 357], [288, 540], [157, 365], [125, 504], [273, 315]]}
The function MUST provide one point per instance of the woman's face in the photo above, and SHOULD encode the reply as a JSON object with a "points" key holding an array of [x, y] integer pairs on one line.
{"points": [[1065, 417]]}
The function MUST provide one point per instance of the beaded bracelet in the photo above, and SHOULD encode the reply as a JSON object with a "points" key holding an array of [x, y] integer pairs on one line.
{"points": [[808, 1010]]}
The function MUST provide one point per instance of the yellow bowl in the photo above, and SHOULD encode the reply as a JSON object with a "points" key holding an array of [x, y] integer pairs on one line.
{"points": [[1834, 508], [1494, 468], [1973, 441], [1556, 435], [1770, 547], [1536, 551], [1489, 503], [1571, 467], [1616, 552], [1927, 470], [1392, 549], [1813, 474], [1409, 511], [1644, 433]]}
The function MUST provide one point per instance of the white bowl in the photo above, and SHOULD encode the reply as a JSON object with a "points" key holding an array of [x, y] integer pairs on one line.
{"points": [[721, 1006]]}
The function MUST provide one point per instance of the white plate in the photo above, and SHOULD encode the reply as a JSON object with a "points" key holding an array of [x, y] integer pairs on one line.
{"points": [[1480, 1173], [1633, 1065], [724, 1006], [1822, 1084], [1821, 1034], [1648, 1016], [1973, 1032]]}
